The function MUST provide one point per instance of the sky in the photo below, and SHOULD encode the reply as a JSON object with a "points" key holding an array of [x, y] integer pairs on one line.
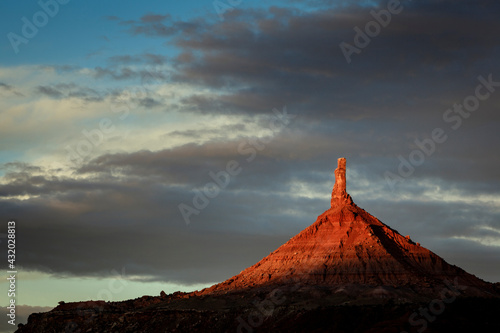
{"points": [[169, 145]]}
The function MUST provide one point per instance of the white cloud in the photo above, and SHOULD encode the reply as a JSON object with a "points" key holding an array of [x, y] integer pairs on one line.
{"points": [[487, 241]]}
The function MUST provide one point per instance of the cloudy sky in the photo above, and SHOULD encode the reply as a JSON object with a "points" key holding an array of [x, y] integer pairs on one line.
{"points": [[119, 119]]}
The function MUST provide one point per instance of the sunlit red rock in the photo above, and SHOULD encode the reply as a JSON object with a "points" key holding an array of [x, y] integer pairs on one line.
{"points": [[348, 246]]}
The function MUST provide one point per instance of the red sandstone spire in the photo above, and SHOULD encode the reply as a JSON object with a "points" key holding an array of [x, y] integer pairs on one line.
{"points": [[340, 197], [347, 246]]}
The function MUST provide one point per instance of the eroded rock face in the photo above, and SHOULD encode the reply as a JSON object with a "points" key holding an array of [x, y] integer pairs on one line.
{"points": [[339, 193], [348, 246]]}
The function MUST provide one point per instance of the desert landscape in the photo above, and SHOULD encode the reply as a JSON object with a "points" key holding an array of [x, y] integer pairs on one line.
{"points": [[249, 166], [347, 272]]}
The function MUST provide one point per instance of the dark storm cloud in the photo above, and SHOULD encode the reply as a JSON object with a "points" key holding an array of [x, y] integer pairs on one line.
{"points": [[49, 91], [130, 203], [128, 214], [124, 212], [429, 54], [394, 92], [16, 169], [266, 57], [68, 90], [149, 103], [185, 165]]}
